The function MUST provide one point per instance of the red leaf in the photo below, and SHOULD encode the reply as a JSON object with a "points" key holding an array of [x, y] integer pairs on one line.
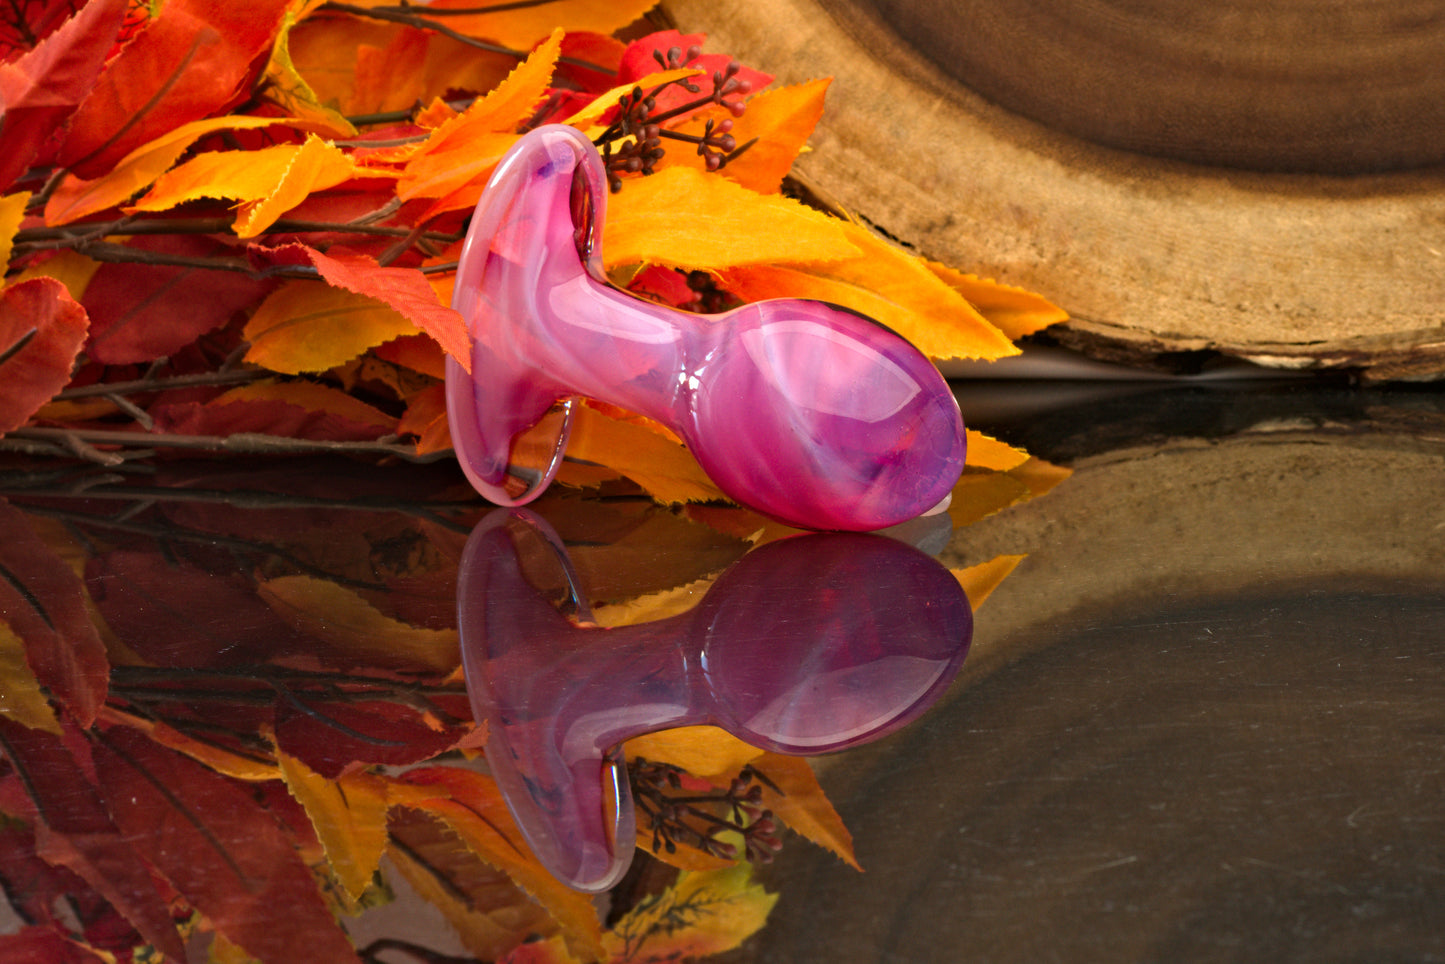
{"points": [[175, 614], [139, 312], [27, 22], [638, 62], [41, 945], [73, 830], [42, 311], [331, 737], [268, 416], [44, 603], [42, 88], [189, 62], [221, 849], [405, 289]]}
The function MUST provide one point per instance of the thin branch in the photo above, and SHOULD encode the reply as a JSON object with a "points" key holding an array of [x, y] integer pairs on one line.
{"points": [[235, 377], [19, 345], [241, 443]]}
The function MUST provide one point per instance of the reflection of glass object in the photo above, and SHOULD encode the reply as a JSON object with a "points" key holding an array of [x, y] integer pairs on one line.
{"points": [[799, 409], [808, 645]]}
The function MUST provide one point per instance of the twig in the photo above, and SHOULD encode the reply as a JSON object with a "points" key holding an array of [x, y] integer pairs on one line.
{"points": [[234, 377], [241, 443]]}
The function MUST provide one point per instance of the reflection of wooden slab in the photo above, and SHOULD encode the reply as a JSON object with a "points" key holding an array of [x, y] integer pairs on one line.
{"points": [[1270, 510], [1151, 256]]}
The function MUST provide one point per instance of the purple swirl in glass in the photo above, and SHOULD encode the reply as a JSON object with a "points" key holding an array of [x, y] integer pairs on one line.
{"points": [[804, 646], [802, 410]]}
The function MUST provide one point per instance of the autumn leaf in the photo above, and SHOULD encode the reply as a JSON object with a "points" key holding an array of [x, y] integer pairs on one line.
{"points": [[308, 326], [690, 219], [12, 212], [42, 87], [220, 848], [705, 751], [296, 409], [987, 452], [211, 755], [43, 602], [604, 102], [41, 331], [885, 283], [491, 914], [980, 581], [283, 85], [661, 466], [472, 806], [140, 312], [705, 912], [349, 814], [405, 289], [638, 61], [73, 829], [190, 61], [1014, 311], [353, 628], [20, 697], [799, 802], [777, 124], [76, 197], [525, 25], [42, 945]]}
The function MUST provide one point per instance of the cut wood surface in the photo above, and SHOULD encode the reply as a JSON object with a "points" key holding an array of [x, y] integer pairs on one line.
{"points": [[1089, 203]]}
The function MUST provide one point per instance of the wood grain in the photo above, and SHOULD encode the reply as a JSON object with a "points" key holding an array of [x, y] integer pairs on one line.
{"points": [[1151, 255]]}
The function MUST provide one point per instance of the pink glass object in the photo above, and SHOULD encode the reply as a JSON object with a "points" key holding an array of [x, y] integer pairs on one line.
{"points": [[802, 410], [805, 646]]}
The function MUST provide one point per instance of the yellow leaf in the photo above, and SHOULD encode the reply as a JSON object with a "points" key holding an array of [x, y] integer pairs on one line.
{"points": [[986, 452], [456, 175], [652, 606], [283, 85], [887, 284], [76, 198], [21, 698], [980, 493], [686, 218], [520, 27], [355, 629], [509, 104], [308, 326], [12, 212], [802, 805], [704, 913], [778, 121], [661, 466], [349, 816], [70, 269], [703, 751], [981, 580], [1040, 476], [1014, 311]]}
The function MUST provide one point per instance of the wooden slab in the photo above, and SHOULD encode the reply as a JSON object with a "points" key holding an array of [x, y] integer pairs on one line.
{"points": [[1152, 255]]}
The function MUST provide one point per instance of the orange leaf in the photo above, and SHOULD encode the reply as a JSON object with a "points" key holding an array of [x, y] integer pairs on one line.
{"points": [[887, 284], [778, 121], [1014, 311], [471, 805], [12, 212], [283, 85], [405, 289], [684, 217], [76, 198], [426, 418], [989, 453], [981, 580], [309, 326], [190, 61], [522, 26], [661, 466], [703, 751], [213, 755], [803, 806]]}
